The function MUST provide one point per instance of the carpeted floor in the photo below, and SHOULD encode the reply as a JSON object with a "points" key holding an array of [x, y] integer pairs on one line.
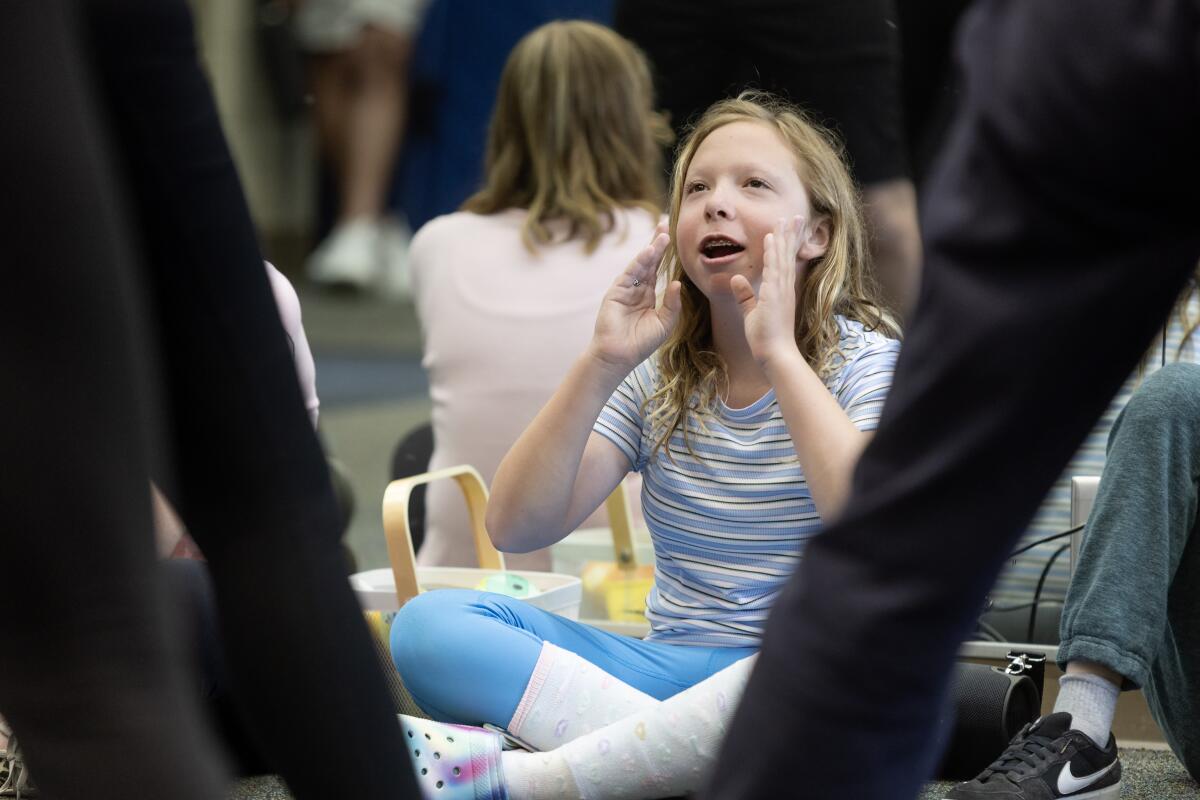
{"points": [[1148, 775]]}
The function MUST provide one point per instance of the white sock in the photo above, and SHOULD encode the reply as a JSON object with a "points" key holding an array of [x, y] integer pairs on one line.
{"points": [[537, 776], [1091, 701], [568, 696], [663, 750]]}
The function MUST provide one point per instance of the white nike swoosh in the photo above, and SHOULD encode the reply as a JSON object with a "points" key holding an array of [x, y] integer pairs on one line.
{"points": [[1068, 783]]}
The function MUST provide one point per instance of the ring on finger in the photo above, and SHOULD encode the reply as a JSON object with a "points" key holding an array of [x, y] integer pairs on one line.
{"points": [[637, 282]]}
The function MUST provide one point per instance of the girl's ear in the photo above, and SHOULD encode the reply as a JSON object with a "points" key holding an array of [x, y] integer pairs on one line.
{"points": [[817, 240]]}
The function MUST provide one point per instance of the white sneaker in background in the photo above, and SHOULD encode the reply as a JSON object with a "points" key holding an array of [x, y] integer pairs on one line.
{"points": [[349, 257], [394, 238]]}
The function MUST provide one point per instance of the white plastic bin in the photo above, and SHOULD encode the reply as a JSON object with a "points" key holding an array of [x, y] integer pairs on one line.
{"points": [[557, 593]]}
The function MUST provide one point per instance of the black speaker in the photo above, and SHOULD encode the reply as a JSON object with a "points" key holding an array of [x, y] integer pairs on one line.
{"points": [[990, 707]]}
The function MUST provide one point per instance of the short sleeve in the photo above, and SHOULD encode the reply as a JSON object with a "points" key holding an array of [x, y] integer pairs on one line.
{"points": [[865, 382], [289, 314], [421, 248], [621, 420]]}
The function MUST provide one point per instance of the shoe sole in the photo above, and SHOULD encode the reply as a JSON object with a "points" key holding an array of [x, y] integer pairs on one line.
{"points": [[332, 275], [1107, 793]]}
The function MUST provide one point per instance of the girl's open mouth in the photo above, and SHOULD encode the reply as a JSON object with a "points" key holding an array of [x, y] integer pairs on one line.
{"points": [[719, 249]]}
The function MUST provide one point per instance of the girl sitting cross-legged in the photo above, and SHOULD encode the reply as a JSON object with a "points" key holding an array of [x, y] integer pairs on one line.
{"points": [[744, 399]]}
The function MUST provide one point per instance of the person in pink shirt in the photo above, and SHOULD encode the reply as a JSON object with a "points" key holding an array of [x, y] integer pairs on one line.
{"points": [[507, 288]]}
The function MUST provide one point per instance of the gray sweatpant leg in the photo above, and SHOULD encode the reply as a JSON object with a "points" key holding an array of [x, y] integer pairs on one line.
{"points": [[1134, 600]]}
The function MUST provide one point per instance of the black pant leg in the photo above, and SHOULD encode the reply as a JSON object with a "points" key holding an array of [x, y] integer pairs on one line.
{"points": [[89, 678], [695, 61], [190, 587], [1051, 263], [251, 482], [841, 62]]}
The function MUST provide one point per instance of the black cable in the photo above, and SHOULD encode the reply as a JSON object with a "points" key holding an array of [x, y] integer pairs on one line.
{"points": [[1006, 609], [1037, 593], [992, 633], [1032, 545], [1033, 613]]}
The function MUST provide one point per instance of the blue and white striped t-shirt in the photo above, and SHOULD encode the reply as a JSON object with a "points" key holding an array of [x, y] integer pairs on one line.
{"points": [[729, 523]]}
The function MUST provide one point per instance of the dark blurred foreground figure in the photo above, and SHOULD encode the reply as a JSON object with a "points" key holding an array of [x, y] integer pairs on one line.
{"points": [[133, 292], [1050, 262]]}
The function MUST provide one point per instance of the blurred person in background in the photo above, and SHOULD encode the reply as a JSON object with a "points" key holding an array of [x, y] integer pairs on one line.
{"points": [[360, 53], [460, 53], [507, 288]]}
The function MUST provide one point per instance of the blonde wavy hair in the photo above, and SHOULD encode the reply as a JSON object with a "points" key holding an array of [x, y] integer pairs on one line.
{"points": [[691, 374], [1181, 309], [574, 133]]}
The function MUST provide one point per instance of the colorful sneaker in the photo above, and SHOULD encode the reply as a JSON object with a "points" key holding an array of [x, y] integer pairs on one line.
{"points": [[1048, 760], [454, 762]]}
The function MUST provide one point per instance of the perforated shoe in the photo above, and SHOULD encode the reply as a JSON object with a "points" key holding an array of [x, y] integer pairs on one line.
{"points": [[454, 762], [1045, 761]]}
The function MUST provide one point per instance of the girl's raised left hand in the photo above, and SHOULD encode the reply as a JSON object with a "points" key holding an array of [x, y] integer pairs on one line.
{"points": [[770, 316]]}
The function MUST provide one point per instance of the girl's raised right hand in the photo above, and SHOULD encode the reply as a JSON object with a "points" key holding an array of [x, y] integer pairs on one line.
{"points": [[629, 327]]}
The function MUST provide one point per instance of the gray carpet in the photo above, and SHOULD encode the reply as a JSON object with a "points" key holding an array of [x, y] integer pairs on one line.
{"points": [[267, 787], [1148, 775]]}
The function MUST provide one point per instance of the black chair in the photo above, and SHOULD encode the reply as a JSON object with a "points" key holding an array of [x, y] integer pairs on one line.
{"points": [[411, 457]]}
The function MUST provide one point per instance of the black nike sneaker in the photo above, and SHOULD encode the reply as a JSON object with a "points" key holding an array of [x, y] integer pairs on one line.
{"points": [[1045, 761]]}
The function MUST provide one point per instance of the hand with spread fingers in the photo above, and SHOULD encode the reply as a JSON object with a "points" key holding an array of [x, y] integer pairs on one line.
{"points": [[629, 326], [770, 315]]}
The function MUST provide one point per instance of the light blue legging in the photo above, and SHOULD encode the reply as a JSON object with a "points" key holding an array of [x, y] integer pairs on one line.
{"points": [[467, 656]]}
